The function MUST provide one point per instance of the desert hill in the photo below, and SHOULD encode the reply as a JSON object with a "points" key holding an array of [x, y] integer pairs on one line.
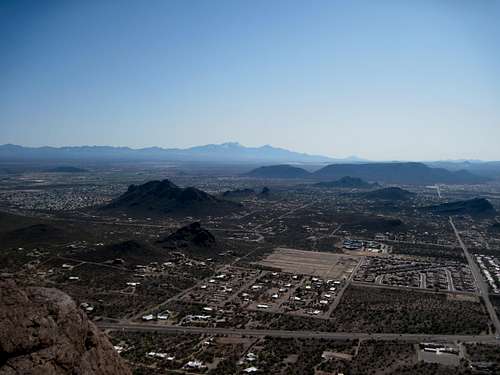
{"points": [[398, 173], [164, 197], [279, 171], [389, 173], [472, 207], [17, 230], [193, 238]]}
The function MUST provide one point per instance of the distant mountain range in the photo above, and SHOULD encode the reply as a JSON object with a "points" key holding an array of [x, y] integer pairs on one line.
{"points": [[231, 152], [478, 167], [389, 173], [226, 153]]}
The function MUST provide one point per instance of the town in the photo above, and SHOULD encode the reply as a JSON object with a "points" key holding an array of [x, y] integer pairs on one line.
{"points": [[323, 278]]}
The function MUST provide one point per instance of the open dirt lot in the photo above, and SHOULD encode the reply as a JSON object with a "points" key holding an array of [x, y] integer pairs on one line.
{"points": [[325, 265]]}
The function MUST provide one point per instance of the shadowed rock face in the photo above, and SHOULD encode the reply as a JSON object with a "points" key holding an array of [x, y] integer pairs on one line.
{"points": [[158, 194], [192, 234], [164, 197], [43, 332]]}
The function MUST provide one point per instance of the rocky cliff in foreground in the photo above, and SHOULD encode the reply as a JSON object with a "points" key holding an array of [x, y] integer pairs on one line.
{"points": [[42, 331]]}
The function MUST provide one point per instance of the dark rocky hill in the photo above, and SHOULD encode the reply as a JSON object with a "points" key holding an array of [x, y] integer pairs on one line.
{"points": [[398, 173], [193, 240], [190, 235], [347, 182], [279, 171], [164, 197], [389, 194], [42, 331], [265, 192], [472, 207], [16, 230]]}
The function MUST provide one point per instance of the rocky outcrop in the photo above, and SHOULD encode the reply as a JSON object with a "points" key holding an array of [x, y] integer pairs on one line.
{"points": [[42, 331], [164, 197], [192, 234]]}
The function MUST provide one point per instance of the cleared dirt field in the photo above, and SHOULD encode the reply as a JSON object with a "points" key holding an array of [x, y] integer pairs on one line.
{"points": [[324, 265]]}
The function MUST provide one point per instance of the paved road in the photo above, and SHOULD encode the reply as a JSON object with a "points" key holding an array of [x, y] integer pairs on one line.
{"points": [[296, 334], [481, 284], [344, 288]]}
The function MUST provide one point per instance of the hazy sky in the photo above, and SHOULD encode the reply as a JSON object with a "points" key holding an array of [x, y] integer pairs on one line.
{"points": [[384, 79]]}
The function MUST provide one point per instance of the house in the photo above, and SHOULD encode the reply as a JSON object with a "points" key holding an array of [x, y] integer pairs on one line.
{"points": [[163, 316], [194, 364], [251, 369]]}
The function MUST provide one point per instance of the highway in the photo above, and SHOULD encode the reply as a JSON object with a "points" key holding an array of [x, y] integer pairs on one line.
{"points": [[139, 327], [481, 284]]}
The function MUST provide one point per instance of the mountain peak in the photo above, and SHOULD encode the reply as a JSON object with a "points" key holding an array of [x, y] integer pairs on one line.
{"points": [[231, 144], [165, 197]]}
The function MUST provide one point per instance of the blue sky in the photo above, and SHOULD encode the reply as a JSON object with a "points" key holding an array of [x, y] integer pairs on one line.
{"points": [[385, 80]]}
